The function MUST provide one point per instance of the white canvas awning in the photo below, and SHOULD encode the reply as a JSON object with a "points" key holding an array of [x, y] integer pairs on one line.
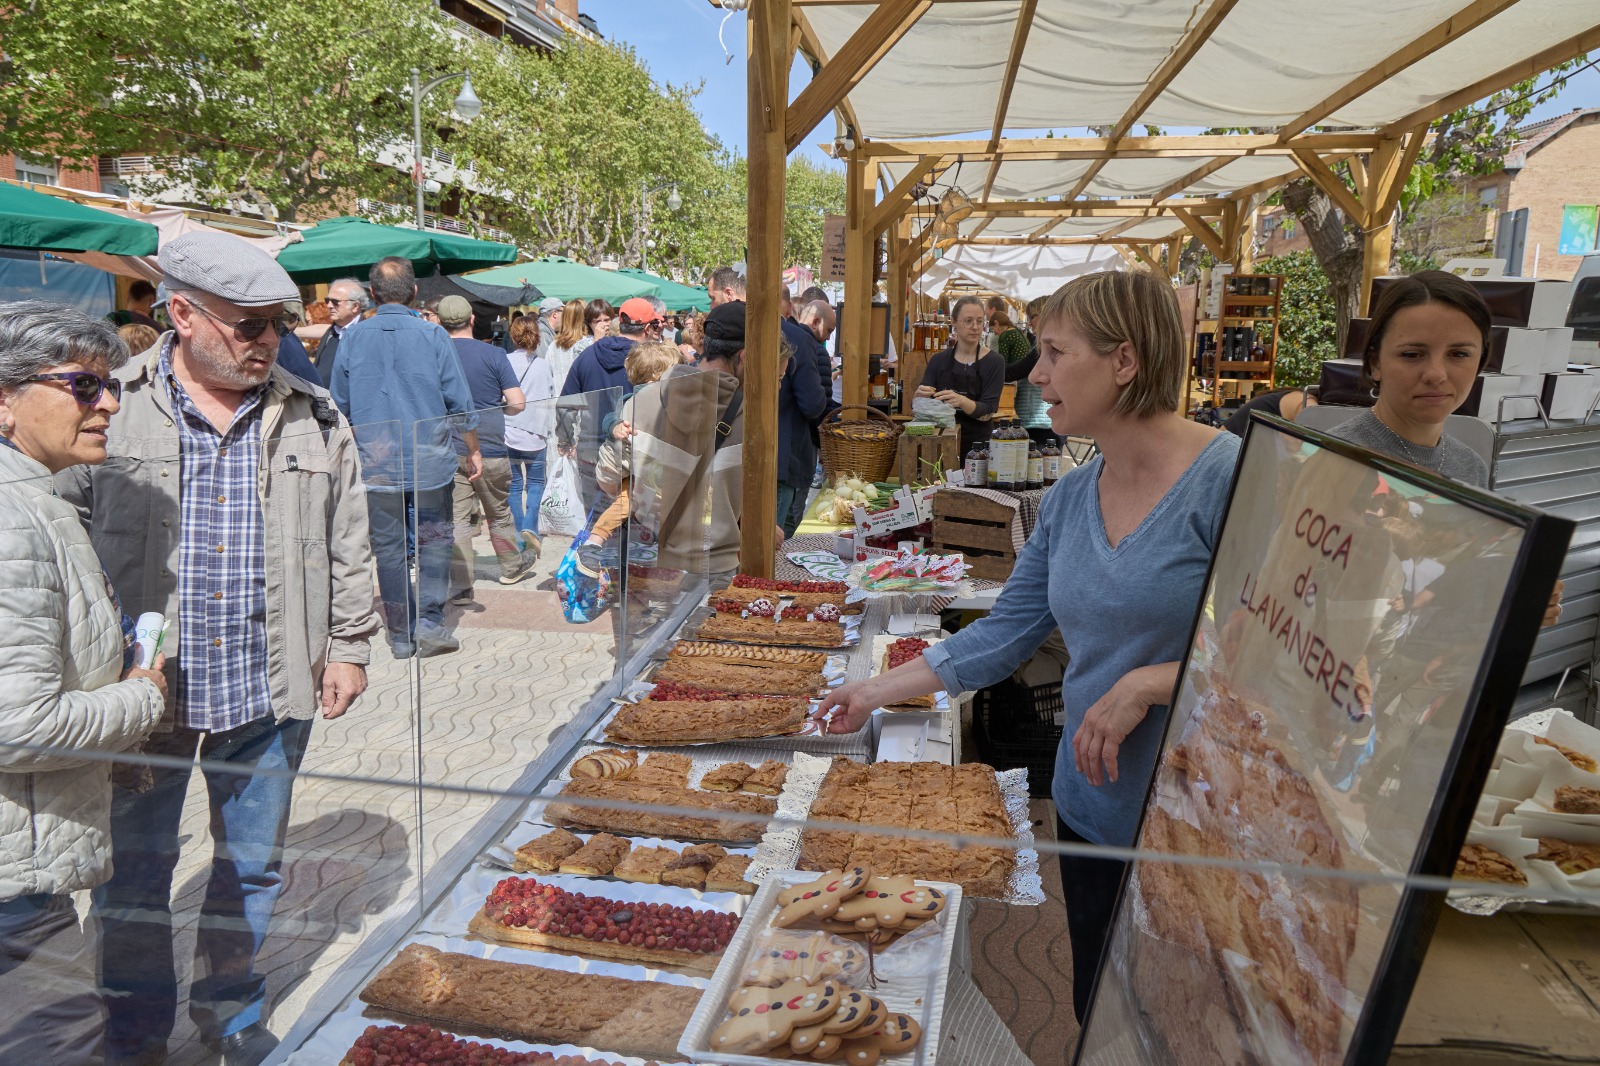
{"points": [[1022, 271]]}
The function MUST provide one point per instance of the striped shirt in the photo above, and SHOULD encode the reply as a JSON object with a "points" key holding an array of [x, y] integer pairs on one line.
{"points": [[222, 581]]}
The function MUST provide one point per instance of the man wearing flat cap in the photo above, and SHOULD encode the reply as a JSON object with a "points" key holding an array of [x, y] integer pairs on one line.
{"points": [[231, 503]]}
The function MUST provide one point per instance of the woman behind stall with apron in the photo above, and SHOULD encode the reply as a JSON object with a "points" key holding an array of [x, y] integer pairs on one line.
{"points": [[965, 375]]}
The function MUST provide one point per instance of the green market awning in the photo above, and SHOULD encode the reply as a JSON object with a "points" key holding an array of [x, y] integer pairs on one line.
{"points": [[348, 246], [677, 297], [560, 277], [37, 222]]}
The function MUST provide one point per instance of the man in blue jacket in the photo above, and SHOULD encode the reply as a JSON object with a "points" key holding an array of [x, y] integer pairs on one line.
{"points": [[400, 383]]}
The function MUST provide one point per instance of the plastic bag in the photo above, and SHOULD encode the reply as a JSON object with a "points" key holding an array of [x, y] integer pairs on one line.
{"points": [[927, 409], [781, 955], [583, 584], [561, 511]]}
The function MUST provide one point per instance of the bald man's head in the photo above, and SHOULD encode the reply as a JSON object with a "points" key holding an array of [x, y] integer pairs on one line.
{"points": [[819, 317]]}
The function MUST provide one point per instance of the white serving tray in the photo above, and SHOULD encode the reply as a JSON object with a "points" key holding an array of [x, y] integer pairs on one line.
{"points": [[922, 997]]}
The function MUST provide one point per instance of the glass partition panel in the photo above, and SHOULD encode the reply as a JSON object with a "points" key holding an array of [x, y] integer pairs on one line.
{"points": [[512, 639], [682, 510]]}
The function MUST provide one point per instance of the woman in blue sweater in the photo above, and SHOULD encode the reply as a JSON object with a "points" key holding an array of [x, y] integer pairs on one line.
{"points": [[1117, 561]]}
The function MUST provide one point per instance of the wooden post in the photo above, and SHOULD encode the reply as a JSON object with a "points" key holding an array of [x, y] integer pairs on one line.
{"points": [[1377, 248], [860, 246], [1246, 236], [768, 41], [899, 309]]}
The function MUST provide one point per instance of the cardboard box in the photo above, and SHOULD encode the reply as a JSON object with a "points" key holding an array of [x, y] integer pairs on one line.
{"points": [[1490, 389], [1569, 396], [1531, 303], [1515, 988], [1557, 349], [910, 508], [1518, 352]]}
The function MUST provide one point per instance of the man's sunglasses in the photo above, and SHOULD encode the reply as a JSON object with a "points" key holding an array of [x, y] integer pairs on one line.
{"points": [[251, 328], [85, 387]]}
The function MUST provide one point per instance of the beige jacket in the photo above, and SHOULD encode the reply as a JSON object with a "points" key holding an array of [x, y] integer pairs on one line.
{"points": [[60, 661], [320, 575]]}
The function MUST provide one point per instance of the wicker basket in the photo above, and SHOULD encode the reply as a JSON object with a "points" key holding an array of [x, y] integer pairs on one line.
{"points": [[863, 448]]}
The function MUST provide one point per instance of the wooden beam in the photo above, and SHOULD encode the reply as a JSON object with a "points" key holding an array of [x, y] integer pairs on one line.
{"points": [[1388, 194], [1127, 254], [1203, 233], [1534, 65], [769, 61], [1165, 146], [1093, 208], [1143, 253], [813, 44], [1451, 29], [1114, 231], [854, 60], [1019, 42], [1198, 174], [1377, 248], [1358, 175], [894, 204], [860, 249], [1173, 65], [1330, 183]]}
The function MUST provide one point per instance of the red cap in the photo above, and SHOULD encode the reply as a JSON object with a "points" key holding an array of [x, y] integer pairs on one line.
{"points": [[638, 309]]}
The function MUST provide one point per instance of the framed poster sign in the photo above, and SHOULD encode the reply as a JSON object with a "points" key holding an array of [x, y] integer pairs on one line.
{"points": [[1356, 653]]}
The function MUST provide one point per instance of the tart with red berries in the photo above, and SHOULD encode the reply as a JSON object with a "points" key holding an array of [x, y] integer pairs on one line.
{"points": [[530, 913]]}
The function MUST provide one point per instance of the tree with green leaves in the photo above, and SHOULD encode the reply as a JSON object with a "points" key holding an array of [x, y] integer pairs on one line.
{"points": [[1472, 140], [281, 106]]}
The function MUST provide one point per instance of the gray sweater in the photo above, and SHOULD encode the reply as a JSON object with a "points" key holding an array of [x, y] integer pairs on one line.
{"points": [[1449, 457]]}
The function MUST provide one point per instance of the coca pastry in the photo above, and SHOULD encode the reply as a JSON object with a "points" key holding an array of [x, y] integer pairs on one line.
{"points": [[727, 875], [730, 626], [728, 677], [746, 654], [695, 722], [903, 651], [644, 865], [809, 600], [1273, 951], [689, 869], [1573, 859], [1479, 863], [596, 858], [529, 913], [668, 789], [544, 854], [767, 779], [534, 1004], [962, 799], [394, 1045], [729, 777], [1575, 799], [1576, 758]]}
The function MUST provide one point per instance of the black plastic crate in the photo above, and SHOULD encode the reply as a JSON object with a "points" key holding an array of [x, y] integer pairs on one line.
{"points": [[1015, 726]]}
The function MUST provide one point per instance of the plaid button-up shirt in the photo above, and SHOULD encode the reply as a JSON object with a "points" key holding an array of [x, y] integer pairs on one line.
{"points": [[222, 583]]}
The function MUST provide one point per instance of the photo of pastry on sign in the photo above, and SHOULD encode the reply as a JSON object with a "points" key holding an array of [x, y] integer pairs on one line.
{"points": [[1330, 705]]}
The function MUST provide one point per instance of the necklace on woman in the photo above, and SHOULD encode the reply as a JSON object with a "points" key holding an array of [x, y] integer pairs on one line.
{"points": [[1405, 445]]}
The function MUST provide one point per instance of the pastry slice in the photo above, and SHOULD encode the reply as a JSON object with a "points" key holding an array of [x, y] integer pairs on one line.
{"points": [[729, 777], [544, 854], [1576, 758], [608, 762], [767, 779], [727, 875], [1575, 799], [1573, 858], [689, 869], [596, 858], [645, 865], [1478, 863], [663, 768]]}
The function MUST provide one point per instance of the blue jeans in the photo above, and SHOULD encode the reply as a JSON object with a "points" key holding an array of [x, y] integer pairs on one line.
{"points": [[527, 488], [249, 817], [791, 506], [396, 521]]}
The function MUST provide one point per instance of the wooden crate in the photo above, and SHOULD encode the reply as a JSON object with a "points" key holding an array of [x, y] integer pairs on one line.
{"points": [[917, 455], [979, 529]]}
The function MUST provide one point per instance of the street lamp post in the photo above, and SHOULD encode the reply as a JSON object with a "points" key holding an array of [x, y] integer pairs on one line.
{"points": [[674, 201], [466, 104]]}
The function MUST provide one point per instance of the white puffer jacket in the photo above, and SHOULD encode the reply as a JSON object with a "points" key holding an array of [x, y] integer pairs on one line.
{"points": [[60, 658]]}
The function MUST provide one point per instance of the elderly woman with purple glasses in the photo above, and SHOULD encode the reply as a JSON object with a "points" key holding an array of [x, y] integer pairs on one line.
{"points": [[66, 692]]}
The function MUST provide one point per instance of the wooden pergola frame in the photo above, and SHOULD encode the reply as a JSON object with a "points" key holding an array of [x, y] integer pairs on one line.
{"points": [[1376, 163]]}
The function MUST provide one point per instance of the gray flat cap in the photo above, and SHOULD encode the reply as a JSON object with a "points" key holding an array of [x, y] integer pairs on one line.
{"points": [[550, 303], [222, 265]]}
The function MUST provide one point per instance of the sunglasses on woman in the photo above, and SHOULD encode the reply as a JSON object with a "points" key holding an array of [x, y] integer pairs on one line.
{"points": [[85, 387]]}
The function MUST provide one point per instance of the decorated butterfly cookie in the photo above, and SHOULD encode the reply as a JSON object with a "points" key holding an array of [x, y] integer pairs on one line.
{"points": [[819, 898], [763, 1018], [886, 903]]}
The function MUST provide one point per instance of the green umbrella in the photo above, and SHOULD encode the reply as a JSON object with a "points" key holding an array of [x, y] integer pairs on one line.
{"points": [[560, 277], [43, 223], [677, 297], [342, 247]]}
